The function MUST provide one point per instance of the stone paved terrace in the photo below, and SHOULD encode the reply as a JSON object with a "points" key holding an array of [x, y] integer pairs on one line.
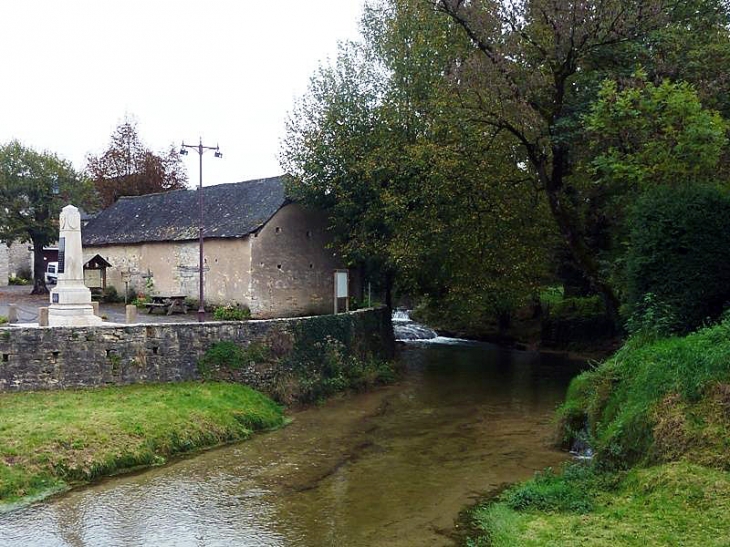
{"points": [[28, 304]]}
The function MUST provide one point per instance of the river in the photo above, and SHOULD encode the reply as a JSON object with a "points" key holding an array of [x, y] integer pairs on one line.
{"points": [[390, 467]]}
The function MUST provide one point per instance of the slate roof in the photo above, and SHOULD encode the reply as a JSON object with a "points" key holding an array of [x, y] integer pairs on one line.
{"points": [[230, 211]]}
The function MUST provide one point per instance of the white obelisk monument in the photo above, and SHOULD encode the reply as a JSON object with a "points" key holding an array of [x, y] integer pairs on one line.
{"points": [[71, 299]]}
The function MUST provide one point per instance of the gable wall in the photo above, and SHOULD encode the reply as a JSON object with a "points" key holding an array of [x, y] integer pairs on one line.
{"points": [[304, 284]]}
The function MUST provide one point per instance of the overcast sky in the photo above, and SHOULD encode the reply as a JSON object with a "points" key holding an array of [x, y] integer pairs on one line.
{"points": [[226, 71]]}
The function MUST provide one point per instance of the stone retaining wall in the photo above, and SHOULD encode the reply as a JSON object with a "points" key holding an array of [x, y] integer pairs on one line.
{"points": [[35, 358]]}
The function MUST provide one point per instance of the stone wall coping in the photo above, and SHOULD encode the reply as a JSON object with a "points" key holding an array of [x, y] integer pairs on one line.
{"points": [[35, 326]]}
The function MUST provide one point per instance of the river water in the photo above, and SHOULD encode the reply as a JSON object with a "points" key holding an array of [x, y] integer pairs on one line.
{"points": [[390, 467]]}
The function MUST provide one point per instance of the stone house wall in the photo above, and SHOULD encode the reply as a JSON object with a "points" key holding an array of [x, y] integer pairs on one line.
{"points": [[20, 259], [4, 264], [285, 269], [173, 267], [292, 266], [33, 358]]}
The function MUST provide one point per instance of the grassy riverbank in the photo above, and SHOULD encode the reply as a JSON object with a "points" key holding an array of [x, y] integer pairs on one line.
{"points": [[670, 504], [658, 416], [50, 441]]}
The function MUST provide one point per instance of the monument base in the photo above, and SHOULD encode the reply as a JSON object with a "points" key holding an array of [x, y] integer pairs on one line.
{"points": [[72, 315], [70, 294]]}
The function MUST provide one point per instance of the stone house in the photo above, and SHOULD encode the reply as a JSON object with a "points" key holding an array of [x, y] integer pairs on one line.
{"points": [[261, 249], [16, 260]]}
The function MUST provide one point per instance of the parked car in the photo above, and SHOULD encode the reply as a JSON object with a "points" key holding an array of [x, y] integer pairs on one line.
{"points": [[52, 273]]}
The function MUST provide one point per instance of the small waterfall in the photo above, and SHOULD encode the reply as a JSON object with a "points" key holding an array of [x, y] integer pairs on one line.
{"points": [[406, 329]]}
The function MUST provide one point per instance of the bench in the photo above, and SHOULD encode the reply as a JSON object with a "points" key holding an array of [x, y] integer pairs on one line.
{"points": [[169, 304], [151, 306]]}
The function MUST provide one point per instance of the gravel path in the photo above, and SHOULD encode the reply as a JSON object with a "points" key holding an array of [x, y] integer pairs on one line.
{"points": [[27, 305]]}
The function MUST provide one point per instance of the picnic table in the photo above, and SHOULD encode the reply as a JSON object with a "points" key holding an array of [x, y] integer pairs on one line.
{"points": [[168, 304]]}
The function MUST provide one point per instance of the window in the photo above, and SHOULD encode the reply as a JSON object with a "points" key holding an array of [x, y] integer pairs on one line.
{"points": [[278, 229]]}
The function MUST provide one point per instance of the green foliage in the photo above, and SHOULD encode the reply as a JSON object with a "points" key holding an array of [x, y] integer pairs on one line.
{"points": [[623, 402], [227, 356], [679, 251], [50, 440], [414, 186], [651, 319], [329, 368], [577, 307], [34, 187], [647, 135], [321, 357], [141, 300], [571, 490], [110, 295], [232, 313], [12, 280], [3, 319], [551, 296]]}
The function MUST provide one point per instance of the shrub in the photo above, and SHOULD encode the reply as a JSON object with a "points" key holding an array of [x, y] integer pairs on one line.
{"points": [[13, 280], [570, 491], [679, 251], [3, 319], [232, 313], [141, 300], [110, 295], [574, 321]]}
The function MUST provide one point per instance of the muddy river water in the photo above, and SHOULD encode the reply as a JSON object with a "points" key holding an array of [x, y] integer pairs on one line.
{"points": [[391, 467]]}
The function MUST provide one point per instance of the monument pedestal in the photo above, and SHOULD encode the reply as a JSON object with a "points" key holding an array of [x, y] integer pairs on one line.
{"points": [[72, 315]]}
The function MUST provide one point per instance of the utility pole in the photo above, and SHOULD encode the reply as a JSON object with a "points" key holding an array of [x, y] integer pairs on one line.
{"points": [[217, 153]]}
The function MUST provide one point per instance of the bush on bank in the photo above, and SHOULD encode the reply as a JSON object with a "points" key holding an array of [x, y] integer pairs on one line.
{"points": [[54, 439], [689, 229]]}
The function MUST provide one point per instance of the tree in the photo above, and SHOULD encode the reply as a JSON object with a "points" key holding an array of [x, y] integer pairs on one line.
{"points": [[526, 76], [129, 168], [412, 189], [34, 187], [647, 135]]}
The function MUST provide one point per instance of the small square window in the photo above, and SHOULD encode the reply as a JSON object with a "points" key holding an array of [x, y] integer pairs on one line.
{"points": [[278, 229]]}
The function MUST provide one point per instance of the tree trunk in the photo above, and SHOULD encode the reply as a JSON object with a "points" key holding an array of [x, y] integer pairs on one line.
{"points": [[570, 230], [39, 269]]}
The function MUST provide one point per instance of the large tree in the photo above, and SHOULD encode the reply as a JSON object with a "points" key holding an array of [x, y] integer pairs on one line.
{"points": [[34, 187], [533, 62], [129, 168], [414, 187]]}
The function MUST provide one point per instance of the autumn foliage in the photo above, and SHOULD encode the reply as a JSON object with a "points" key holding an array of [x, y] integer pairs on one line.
{"points": [[129, 168]]}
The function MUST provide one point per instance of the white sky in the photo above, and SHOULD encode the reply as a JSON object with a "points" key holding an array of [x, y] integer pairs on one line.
{"points": [[226, 71]]}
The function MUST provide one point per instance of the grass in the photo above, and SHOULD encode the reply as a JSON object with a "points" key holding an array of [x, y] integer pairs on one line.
{"points": [[50, 441], [655, 400], [671, 504]]}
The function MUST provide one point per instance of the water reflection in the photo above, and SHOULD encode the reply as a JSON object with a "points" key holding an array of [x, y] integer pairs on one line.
{"points": [[392, 467]]}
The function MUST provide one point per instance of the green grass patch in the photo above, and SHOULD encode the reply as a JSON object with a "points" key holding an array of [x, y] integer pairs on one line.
{"points": [[670, 504], [55, 439], [654, 400]]}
